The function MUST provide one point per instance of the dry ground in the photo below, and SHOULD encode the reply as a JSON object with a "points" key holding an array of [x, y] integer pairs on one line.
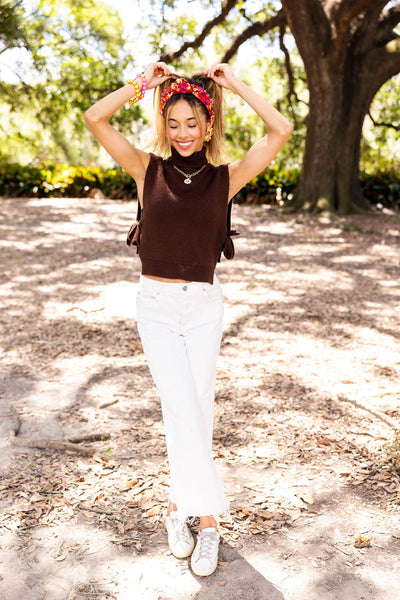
{"points": [[307, 403]]}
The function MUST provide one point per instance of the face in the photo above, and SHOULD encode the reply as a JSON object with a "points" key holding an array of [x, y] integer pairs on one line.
{"points": [[183, 130]]}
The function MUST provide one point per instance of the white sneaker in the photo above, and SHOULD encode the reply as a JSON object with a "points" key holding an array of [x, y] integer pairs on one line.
{"points": [[205, 556], [180, 539]]}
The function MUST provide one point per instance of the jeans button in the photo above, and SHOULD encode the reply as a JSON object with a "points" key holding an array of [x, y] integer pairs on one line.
{"points": [[184, 288]]}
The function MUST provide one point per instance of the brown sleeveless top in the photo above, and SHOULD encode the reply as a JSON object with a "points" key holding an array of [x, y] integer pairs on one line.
{"points": [[183, 227]]}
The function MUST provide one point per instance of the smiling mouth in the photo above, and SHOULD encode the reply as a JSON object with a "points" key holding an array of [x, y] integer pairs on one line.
{"points": [[184, 144]]}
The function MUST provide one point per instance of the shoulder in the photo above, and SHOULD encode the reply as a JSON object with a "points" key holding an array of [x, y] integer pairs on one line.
{"points": [[222, 170], [153, 162], [157, 161], [156, 157], [221, 179]]}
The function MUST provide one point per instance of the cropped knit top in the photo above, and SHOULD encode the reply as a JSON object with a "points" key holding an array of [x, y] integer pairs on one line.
{"points": [[183, 227]]}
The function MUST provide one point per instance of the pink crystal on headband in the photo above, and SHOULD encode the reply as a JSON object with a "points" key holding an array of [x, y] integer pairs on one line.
{"points": [[181, 86]]}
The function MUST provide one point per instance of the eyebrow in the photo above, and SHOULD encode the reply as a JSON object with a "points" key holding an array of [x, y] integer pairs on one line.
{"points": [[188, 119]]}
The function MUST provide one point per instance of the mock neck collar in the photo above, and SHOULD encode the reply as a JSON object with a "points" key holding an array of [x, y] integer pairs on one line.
{"points": [[194, 161]]}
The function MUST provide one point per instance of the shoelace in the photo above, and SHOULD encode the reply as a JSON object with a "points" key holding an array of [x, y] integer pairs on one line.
{"points": [[204, 549], [181, 530]]}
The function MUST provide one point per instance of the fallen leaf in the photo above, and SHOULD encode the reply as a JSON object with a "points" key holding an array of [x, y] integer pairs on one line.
{"points": [[127, 485], [266, 514], [307, 498], [156, 510], [62, 557], [362, 542]]}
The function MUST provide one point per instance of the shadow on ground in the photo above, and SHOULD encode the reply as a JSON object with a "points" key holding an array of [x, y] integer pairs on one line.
{"points": [[307, 389]]}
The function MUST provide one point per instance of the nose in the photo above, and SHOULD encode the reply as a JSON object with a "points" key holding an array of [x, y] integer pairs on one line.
{"points": [[183, 132]]}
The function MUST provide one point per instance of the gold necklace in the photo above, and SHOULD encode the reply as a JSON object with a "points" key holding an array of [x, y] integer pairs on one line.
{"points": [[189, 176]]}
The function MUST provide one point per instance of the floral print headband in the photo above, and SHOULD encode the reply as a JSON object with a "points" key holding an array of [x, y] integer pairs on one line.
{"points": [[181, 86]]}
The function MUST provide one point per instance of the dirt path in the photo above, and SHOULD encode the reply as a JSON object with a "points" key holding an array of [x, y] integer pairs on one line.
{"points": [[307, 404]]}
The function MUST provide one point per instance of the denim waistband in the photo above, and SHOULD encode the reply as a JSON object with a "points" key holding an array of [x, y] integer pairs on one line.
{"points": [[167, 287]]}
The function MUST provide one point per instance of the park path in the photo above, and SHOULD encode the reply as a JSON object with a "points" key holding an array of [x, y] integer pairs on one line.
{"points": [[306, 409]]}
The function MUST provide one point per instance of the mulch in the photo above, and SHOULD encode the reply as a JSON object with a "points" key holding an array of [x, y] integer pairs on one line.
{"points": [[307, 388]]}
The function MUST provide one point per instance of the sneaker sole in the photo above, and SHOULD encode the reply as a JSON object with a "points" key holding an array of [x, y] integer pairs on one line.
{"points": [[204, 573], [182, 554]]}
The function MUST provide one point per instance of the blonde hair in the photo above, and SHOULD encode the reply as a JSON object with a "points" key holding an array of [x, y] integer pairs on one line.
{"points": [[214, 148]]}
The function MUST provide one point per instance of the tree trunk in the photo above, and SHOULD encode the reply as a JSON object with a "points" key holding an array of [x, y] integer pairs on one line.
{"points": [[330, 173], [349, 50]]}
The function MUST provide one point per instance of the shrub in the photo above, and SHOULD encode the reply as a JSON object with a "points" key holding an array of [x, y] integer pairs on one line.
{"points": [[60, 181], [382, 188], [270, 187]]}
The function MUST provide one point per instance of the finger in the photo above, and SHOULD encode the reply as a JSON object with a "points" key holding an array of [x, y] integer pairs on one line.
{"points": [[217, 73], [163, 68], [161, 65], [212, 70]]}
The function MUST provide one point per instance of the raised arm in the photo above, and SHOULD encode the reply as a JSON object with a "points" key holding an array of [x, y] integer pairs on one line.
{"points": [[263, 151], [97, 117]]}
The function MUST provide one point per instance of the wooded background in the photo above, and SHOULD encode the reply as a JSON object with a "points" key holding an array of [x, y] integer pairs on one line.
{"points": [[330, 65]]}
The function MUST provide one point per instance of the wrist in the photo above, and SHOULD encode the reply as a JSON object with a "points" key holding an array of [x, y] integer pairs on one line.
{"points": [[142, 82], [140, 87], [236, 85]]}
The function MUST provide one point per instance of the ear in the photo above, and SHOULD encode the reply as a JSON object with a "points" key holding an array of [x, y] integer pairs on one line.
{"points": [[209, 124]]}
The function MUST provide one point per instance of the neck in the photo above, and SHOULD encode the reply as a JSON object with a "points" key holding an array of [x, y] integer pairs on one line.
{"points": [[194, 161]]}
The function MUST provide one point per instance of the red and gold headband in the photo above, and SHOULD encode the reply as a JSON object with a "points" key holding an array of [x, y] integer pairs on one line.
{"points": [[181, 86]]}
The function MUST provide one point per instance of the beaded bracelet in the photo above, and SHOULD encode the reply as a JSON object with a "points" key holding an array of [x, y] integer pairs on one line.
{"points": [[144, 85], [139, 94]]}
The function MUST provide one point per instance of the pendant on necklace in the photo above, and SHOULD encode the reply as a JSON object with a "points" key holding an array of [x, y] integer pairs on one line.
{"points": [[189, 176]]}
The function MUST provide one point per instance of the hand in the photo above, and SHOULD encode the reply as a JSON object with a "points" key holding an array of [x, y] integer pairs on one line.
{"points": [[222, 74], [156, 73]]}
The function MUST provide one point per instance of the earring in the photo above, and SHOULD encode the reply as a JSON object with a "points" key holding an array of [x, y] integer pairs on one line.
{"points": [[209, 134]]}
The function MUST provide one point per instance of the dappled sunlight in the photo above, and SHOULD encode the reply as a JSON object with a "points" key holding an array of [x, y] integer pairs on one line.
{"points": [[85, 555], [116, 300], [351, 258], [307, 387], [278, 228]]}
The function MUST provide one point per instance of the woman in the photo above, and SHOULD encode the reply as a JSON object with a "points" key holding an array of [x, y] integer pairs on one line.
{"points": [[185, 193]]}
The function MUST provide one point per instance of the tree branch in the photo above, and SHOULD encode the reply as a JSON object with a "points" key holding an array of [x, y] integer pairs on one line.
{"points": [[226, 7], [383, 123], [388, 420], [342, 16], [391, 16], [344, 12], [259, 28], [384, 63], [53, 445], [387, 22], [367, 31], [288, 66], [311, 29]]}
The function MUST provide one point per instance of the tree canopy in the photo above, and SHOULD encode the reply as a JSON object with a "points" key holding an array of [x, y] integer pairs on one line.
{"points": [[76, 56], [327, 64], [349, 49]]}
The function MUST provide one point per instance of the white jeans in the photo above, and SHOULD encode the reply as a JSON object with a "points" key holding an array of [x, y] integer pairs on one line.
{"points": [[180, 326]]}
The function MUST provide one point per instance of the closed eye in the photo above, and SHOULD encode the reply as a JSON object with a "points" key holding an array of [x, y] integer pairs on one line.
{"points": [[176, 127]]}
